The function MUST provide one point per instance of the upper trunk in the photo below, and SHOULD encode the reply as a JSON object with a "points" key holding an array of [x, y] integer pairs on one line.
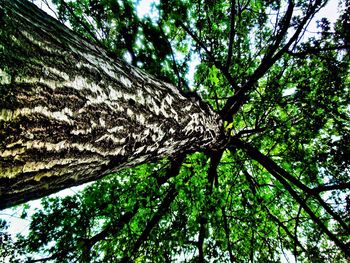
{"points": [[70, 114]]}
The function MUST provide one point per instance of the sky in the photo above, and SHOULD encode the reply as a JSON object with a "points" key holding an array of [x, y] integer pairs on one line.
{"points": [[18, 225]]}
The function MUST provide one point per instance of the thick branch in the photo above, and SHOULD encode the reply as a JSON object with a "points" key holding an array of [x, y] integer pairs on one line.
{"points": [[215, 158]]}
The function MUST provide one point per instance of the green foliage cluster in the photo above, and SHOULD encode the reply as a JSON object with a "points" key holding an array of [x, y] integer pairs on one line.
{"points": [[279, 189], [116, 26]]}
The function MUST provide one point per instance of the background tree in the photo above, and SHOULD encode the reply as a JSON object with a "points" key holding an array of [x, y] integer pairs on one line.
{"points": [[280, 184]]}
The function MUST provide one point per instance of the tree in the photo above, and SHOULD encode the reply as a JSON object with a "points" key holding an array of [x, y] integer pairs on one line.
{"points": [[271, 177], [70, 114]]}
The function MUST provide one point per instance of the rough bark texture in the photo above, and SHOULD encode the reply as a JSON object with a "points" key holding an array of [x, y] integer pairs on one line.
{"points": [[70, 114]]}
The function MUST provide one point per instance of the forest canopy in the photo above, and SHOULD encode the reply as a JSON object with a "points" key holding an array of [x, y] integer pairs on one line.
{"points": [[278, 189]]}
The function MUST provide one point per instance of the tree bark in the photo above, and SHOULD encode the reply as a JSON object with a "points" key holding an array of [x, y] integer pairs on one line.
{"points": [[70, 114]]}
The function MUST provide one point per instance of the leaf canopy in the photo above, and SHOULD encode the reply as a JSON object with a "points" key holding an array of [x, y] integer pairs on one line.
{"points": [[281, 186]]}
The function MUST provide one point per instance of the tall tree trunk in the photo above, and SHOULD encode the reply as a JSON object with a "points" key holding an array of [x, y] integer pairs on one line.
{"points": [[70, 114]]}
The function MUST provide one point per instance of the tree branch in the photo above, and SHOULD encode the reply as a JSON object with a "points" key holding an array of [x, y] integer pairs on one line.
{"points": [[315, 51], [162, 209], [234, 103], [217, 63], [325, 188], [280, 224], [279, 174], [51, 9], [215, 158], [175, 67], [78, 20], [296, 241], [297, 183], [232, 34], [274, 218], [201, 236], [227, 233], [114, 228]]}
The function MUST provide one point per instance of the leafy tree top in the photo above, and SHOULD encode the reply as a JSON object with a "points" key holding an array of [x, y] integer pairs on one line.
{"points": [[280, 185]]}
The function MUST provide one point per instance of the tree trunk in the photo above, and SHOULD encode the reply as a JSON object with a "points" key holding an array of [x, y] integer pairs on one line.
{"points": [[70, 114]]}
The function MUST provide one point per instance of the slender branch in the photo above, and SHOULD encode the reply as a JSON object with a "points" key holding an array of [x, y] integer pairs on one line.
{"points": [[113, 229], [44, 259], [276, 171], [311, 12], [315, 51], [227, 233], [325, 188], [172, 193], [236, 101], [212, 58], [216, 98], [252, 241], [280, 224], [175, 67], [296, 241], [50, 8], [198, 41], [201, 236], [232, 34], [162, 209], [299, 184], [79, 21], [253, 188], [283, 30]]}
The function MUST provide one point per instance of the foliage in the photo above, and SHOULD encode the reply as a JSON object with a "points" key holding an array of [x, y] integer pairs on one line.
{"points": [[281, 185]]}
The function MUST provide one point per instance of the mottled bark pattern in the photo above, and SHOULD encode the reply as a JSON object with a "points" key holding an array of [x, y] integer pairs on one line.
{"points": [[70, 114]]}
